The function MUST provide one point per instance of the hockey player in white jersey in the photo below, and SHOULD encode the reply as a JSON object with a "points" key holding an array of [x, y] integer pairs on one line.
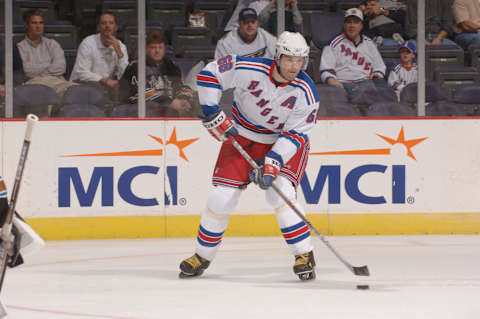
{"points": [[405, 72], [274, 110], [249, 39], [351, 58]]}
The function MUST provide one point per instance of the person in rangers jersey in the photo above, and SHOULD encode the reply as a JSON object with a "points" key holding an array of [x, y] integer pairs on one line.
{"points": [[405, 72], [351, 58], [248, 39], [274, 110]]}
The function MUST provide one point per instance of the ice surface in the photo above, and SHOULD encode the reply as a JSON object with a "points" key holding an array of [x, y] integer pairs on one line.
{"points": [[428, 277]]}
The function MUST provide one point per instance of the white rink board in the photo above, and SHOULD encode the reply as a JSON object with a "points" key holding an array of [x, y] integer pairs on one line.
{"points": [[443, 178]]}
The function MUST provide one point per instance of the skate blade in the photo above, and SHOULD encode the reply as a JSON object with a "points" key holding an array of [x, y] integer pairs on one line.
{"points": [[184, 275], [306, 275]]}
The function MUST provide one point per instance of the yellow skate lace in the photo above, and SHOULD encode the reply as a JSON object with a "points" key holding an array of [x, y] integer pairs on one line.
{"points": [[301, 259], [194, 261]]}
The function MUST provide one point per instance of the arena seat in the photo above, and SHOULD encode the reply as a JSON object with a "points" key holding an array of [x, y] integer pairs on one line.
{"points": [[433, 93], [343, 109], [342, 5], [125, 11], [79, 111], [445, 108], [34, 98], [169, 12], [390, 109], [185, 38], [85, 94], [326, 26], [449, 77]]}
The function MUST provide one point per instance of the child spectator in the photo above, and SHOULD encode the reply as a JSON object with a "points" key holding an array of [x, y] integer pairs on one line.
{"points": [[406, 71]]}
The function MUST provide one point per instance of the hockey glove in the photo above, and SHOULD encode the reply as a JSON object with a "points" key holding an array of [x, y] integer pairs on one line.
{"points": [[218, 124], [266, 174]]}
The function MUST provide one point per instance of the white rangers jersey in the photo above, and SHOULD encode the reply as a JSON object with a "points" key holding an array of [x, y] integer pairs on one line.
{"points": [[262, 112], [347, 62], [401, 76], [262, 47]]}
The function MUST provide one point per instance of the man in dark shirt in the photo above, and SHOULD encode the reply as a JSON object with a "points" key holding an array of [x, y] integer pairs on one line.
{"points": [[438, 21], [164, 91]]}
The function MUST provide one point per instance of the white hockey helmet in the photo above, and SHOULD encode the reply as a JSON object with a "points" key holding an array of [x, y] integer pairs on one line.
{"points": [[292, 43]]}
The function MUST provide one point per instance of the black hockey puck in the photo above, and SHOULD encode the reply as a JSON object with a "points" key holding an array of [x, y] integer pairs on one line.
{"points": [[363, 287]]}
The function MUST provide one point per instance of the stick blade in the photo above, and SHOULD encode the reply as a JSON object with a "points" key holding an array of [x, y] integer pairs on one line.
{"points": [[361, 271]]}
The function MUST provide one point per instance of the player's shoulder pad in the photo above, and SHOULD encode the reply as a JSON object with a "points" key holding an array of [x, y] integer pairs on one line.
{"points": [[266, 61], [334, 41], [306, 84]]}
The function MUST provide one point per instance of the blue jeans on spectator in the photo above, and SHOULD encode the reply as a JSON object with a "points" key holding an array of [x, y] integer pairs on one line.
{"points": [[389, 42], [467, 39]]}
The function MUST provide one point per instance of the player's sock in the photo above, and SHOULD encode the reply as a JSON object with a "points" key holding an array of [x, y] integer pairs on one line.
{"points": [[210, 233], [213, 224], [294, 230]]}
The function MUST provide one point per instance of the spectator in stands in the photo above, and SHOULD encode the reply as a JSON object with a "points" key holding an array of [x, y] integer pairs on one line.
{"points": [[467, 19], [43, 59], [384, 21], [164, 90], [257, 5], [293, 17], [350, 59], [101, 58], [406, 71], [438, 21], [248, 39]]}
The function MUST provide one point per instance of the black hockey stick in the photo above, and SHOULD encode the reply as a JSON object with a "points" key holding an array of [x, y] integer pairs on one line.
{"points": [[6, 234], [359, 271]]}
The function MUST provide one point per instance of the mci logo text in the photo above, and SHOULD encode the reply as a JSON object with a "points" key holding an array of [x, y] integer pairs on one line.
{"points": [[70, 176]]}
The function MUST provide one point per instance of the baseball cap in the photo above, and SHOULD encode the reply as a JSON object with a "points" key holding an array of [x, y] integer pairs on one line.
{"points": [[247, 13], [354, 12], [409, 45]]}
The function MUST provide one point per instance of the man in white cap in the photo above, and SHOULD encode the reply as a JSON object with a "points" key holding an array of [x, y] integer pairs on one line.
{"points": [[351, 58]]}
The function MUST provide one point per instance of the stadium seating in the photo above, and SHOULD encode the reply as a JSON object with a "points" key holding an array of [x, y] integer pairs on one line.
{"points": [[445, 108], [343, 109], [449, 77], [390, 109], [341, 5], [215, 11], [131, 110], [433, 93], [169, 12], [79, 111], [307, 8], [47, 7], [64, 33], [85, 94], [469, 96], [326, 25], [191, 42], [442, 55], [125, 11], [34, 98]]}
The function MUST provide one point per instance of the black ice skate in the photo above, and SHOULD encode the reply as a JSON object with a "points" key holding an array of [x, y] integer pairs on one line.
{"points": [[193, 266], [304, 266]]}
